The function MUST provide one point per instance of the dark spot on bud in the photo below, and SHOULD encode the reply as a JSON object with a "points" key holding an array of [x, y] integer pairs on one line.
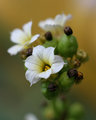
{"points": [[48, 36], [68, 30], [72, 73], [29, 52], [52, 87], [79, 77]]}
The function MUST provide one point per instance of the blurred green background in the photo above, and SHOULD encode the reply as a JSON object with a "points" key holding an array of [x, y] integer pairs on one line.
{"points": [[16, 97]]}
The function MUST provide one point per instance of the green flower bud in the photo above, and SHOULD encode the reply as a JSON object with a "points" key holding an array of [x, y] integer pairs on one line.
{"points": [[61, 106], [49, 89], [76, 111], [65, 81], [52, 43], [49, 113], [82, 56], [67, 46]]}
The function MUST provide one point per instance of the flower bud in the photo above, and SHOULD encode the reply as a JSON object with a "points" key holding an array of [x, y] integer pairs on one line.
{"points": [[76, 111], [68, 31], [48, 36], [76, 63], [82, 56], [49, 113], [78, 77], [67, 46], [52, 43], [29, 52], [65, 81], [26, 53], [49, 89], [72, 73]]}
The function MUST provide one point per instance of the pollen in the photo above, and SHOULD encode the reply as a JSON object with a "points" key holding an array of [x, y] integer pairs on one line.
{"points": [[46, 67]]}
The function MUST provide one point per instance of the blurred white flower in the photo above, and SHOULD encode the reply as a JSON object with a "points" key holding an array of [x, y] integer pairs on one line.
{"points": [[42, 63], [30, 117], [22, 38], [54, 24], [86, 5]]}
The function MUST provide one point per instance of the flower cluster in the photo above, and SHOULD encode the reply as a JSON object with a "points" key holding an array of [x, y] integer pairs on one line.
{"points": [[52, 57]]}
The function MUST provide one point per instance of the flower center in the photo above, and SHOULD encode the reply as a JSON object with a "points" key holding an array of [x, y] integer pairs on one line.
{"points": [[46, 67]]}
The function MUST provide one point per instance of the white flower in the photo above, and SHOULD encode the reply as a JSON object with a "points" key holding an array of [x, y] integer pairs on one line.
{"points": [[42, 63], [30, 117], [22, 38], [54, 24]]}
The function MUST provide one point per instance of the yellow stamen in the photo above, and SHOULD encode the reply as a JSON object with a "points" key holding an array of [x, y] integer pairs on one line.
{"points": [[46, 67]]}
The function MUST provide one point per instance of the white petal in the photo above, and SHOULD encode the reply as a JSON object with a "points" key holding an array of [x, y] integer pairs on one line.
{"points": [[15, 49], [32, 63], [61, 19], [57, 67], [38, 52], [30, 117], [34, 38], [32, 77], [58, 59], [27, 28], [18, 36], [55, 24], [48, 55], [45, 74], [53, 27], [57, 64], [43, 24]]}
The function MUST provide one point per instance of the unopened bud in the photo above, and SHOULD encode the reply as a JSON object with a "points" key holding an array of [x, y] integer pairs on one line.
{"points": [[52, 87], [49, 89], [82, 55], [76, 63], [72, 73], [79, 77], [29, 52]]}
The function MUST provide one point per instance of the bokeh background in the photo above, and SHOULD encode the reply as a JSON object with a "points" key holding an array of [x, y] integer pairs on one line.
{"points": [[16, 97]]}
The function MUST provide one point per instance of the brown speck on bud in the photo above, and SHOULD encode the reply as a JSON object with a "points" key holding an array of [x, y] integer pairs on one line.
{"points": [[72, 73], [79, 77], [68, 31], [52, 87], [29, 52], [48, 36]]}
